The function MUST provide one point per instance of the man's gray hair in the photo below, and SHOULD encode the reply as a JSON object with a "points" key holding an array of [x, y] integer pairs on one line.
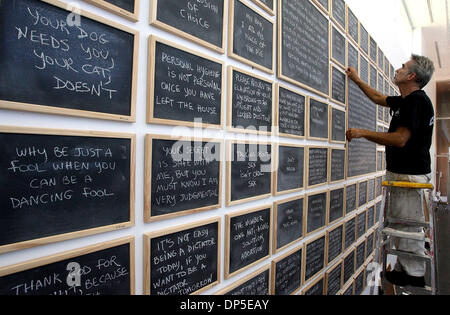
{"points": [[423, 67]]}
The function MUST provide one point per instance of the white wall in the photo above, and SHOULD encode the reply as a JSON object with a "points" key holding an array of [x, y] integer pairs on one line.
{"points": [[383, 19]]}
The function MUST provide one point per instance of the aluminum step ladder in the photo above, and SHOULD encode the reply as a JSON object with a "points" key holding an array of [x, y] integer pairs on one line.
{"points": [[385, 235]]}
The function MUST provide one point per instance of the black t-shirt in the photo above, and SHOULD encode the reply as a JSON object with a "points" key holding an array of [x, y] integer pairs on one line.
{"points": [[416, 113]]}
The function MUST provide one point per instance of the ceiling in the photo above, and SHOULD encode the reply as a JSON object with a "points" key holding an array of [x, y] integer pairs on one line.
{"points": [[433, 17]]}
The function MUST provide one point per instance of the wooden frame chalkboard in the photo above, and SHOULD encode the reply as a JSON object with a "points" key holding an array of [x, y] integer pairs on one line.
{"points": [[362, 192], [296, 73], [352, 26], [55, 183], [361, 223], [259, 45], [318, 122], [260, 226], [252, 101], [130, 13], [315, 287], [352, 203], [320, 4], [209, 31], [209, 262], [336, 175], [287, 211], [189, 91], [265, 5], [323, 171], [373, 50], [318, 221], [44, 264], [290, 169], [260, 276], [349, 231], [252, 160], [349, 268], [338, 125], [338, 193], [296, 283], [338, 81], [364, 40], [338, 47], [75, 86], [329, 273], [290, 114], [199, 177], [338, 13], [317, 263], [330, 231]]}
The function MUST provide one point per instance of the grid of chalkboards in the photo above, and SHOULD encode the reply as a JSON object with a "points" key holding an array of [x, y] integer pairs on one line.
{"points": [[188, 86]]}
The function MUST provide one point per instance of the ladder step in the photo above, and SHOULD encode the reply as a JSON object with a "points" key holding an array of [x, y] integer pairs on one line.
{"points": [[401, 234], [408, 222], [407, 254]]}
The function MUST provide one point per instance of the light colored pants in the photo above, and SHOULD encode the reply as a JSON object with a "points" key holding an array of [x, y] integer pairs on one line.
{"points": [[407, 204]]}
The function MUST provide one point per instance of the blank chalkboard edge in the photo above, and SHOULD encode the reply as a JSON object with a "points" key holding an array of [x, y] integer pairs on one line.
{"points": [[246, 278], [155, 22], [308, 125], [46, 260], [312, 283], [280, 258], [147, 237], [276, 250], [131, 16], [148, 178], [265, 7], [152, 40], [305, 246], [228, 218], [322, 191], [335, 227], [229, 124], [231, 39], [307, 186]]}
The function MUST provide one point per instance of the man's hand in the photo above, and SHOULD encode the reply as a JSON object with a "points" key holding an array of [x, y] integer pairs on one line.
{"points": [[354, 133], [352, 73]]}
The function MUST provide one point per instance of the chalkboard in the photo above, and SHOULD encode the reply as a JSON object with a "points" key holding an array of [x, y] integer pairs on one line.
{"points": [[359, 283], [369, 244], [349, 265], [128, 9], [336, 205], [334, 279], [257, 283], [352, 26], [303, 45], [338, 13], [380, 59], [181, 176], [314, 257], [317, 166], [48, 66], [335, 241], [370, 189], [315, 288], [73, 183], [361, 114], [291, 113], [370, 217], [362, 193], [337, 125], [338, 52], [348, 289], [288, 222], [250, 107], [360, 252], [287, 272], [101, 269], [363, 39], [350, 198], [364, 69], [352, 56], [182, 260], [350, 231], [251, 37], [316, 211], [248, 234], [323, 5], [338, 86], [201, 21], [379, 161], [386, 66], [318, 119], [380, 83], [377, 212], [249, 171], [185, 87], [361, 224], [378, 186], [373, 77], [373, 50], [290, 171], [266, 5], [337, 165]]}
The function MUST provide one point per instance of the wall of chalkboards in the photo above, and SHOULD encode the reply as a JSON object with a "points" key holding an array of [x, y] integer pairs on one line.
{"points": [[265, 198]]}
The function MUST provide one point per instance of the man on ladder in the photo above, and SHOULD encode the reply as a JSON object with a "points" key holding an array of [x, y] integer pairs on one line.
{"points": [[407, 142]]}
